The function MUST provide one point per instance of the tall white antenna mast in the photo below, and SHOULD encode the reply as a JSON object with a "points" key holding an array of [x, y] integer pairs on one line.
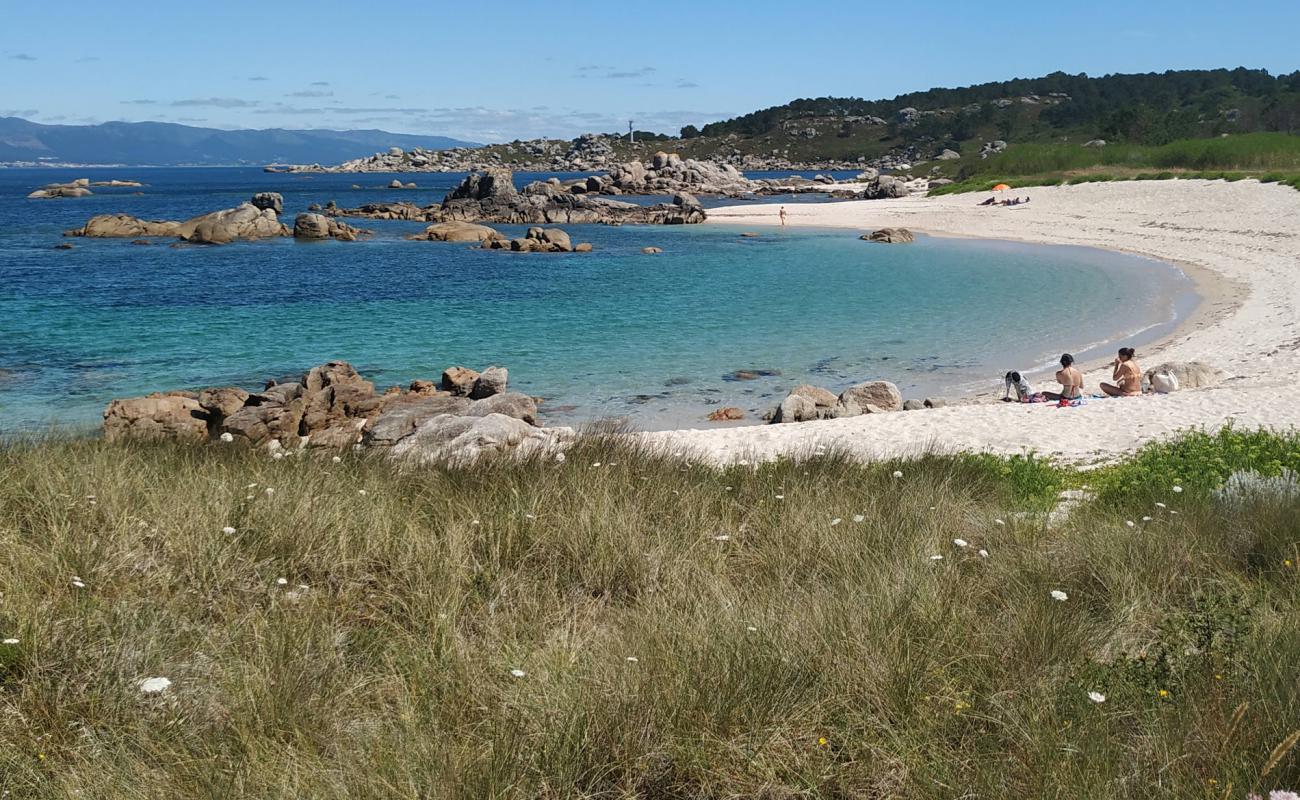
{"points": [[631, 134]]}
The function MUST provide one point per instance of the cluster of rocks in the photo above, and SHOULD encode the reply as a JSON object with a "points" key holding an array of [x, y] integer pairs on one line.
{"points": [[535, 240], [992, 148], [78, 188], [257, 219], [889, 236], [333, 407], [590, 151], [492, 197], [805, 402]]}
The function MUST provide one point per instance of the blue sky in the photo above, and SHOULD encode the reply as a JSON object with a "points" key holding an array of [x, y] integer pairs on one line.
{"points": [[495, 71]]}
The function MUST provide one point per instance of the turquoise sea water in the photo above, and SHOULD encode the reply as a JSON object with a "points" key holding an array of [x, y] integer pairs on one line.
{"points": [[613, 333]]}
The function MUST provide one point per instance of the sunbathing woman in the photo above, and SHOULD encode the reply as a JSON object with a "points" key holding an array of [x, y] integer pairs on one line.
{"points": [[1127, 376], [1071, 381]]}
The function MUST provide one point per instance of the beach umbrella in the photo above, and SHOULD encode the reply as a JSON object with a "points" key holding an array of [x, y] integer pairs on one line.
{"points": [[1001, 187]]}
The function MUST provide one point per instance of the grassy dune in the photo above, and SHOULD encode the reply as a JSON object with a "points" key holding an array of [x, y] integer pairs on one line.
{"points": [[675, 631], [1270, 157]]}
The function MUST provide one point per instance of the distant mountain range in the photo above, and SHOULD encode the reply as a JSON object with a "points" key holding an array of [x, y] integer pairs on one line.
{"points": [[169, 144]]}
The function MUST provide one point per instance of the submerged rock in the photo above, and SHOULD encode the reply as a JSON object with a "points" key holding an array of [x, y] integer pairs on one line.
{"points": [[890, 236]]}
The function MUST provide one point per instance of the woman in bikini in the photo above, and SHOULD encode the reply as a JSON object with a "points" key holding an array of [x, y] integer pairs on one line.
{"points": [[1071, 381], [1127, 376]]}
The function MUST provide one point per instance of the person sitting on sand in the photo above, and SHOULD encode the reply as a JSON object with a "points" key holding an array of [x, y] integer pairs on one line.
{"points": [[1071, 381], [1127, 376]]}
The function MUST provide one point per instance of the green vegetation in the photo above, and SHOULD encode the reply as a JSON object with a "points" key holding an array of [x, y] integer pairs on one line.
{"points": [[678, 631], [1269, 157]]}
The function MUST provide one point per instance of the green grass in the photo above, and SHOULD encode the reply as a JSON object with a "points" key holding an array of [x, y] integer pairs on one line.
{"points": [[1269, 157], [792, 658]]}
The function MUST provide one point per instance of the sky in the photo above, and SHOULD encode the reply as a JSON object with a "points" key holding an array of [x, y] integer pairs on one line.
{"points": [[496, 71]]}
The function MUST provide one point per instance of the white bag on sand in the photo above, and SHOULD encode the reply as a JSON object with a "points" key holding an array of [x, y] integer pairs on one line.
{"points": [[1164, 382]]}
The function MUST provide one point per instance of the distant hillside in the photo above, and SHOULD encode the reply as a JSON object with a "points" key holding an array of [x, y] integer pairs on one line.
{"points": [[168, 144]]}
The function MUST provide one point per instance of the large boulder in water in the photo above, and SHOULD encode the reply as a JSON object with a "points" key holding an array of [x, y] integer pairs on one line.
{"points": [[458, 231], [459, 380], [124, 226], [174, 416], [492, 381], [244, 222], [272, 201], [870, 397], [319, 226], [889, 236]]}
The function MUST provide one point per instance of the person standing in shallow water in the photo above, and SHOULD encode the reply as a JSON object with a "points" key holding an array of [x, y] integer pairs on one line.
{"points": [[782, 215], [1127, 376]]}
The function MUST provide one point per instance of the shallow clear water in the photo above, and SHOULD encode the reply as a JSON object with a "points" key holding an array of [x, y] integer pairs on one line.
{"points": [[611, 333]]}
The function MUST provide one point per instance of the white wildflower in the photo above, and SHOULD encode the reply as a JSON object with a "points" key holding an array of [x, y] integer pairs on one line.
{"points": [[251, 486], [1097, 697], [337, 459], [362, 492], [1161, 505], [1177, 489], [999, 522], [248, 497], [1059, 595], [595, 464], [10, 641], [1146, 519], [836, 521], [984, 553], [154, 685], [518, 673], [277, 455], [78, 582], [473, 522], [936, 558], [282, 581], [269, 491], [751, 628], [632, 659], [530, 516], [227, 530], [859, 518], [722, 537], [898, 473], [780, 497], [1130, 523], [560, 457], [960, 542], [227, 437]]}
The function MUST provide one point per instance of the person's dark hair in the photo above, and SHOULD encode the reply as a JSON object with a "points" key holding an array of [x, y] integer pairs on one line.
{"points": [[1066, 359], [1126, 352]]}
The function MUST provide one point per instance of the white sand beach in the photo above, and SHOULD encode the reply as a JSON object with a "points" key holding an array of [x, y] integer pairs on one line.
{"points": [[1239, 242]]}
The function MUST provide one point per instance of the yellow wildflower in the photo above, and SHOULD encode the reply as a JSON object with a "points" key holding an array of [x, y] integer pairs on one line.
{"points": [[1164, 693], [822, 741]]}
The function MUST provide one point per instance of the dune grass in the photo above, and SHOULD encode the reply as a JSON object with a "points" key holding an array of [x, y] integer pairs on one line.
{"points": [[1268, 157], [673, 630]]}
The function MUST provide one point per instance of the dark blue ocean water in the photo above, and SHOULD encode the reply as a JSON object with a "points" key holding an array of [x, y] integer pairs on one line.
{"points": [[611, 333]]}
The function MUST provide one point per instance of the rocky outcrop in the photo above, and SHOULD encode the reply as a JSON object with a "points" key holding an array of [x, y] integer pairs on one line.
{"points": [[459, 380], [889, 236], [319, 226], [459, 232], [806, 403], [77, 188], [269, 200], [1189, 374], [491, 381], [870, 397], [123, 226], [492, 197], [537, 240], [726, 414], [175, 415], [244, 222], [332, 406]]}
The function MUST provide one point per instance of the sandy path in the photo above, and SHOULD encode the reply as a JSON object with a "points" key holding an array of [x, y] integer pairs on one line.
{"points": [[1240, 243]]}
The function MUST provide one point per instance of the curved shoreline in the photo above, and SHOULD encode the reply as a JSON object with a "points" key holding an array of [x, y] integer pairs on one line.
{"points": [[1237, 242]]}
